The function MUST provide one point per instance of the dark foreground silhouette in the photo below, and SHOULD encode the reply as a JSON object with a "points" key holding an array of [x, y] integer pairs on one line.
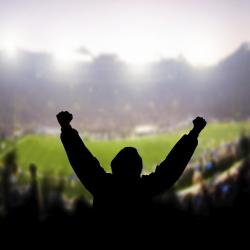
{"points": [[125, 191], [218, 208]]}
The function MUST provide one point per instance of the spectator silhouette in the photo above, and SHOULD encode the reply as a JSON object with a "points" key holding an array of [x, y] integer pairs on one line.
{"points": [[31, 204], [125, 190]]}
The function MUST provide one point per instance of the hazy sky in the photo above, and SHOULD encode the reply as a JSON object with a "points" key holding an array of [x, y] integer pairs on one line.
{"points": [[137, 30]]}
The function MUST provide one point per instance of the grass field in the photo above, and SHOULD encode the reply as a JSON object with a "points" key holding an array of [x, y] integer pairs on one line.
{"points": [[48, 154]]}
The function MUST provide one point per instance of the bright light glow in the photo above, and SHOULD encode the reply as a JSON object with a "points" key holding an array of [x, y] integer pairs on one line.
{"points": [[10, 50], [135, 47], [63, 61], [202, 52], [9, 45], [66, 59], [138, 73], [203, 32], [138, 54], [138, 69], [68, 55], [64, 51]]}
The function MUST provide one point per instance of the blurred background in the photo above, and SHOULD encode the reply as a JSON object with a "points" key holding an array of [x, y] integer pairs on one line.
{"points": [[133, 73]]}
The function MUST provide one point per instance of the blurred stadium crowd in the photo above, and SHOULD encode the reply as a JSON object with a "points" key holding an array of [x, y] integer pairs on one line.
{"points": [[217, 188]]}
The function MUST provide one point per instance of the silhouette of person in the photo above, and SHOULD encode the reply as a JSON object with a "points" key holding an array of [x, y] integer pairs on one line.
{"points": [[125, 190]]}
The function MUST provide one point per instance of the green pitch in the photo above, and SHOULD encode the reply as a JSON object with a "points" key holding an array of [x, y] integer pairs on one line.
{"points": [[48, 153]]}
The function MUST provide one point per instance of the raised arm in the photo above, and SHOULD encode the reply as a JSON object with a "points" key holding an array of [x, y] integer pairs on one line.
{"points": [[169, 171], [85, 165]]}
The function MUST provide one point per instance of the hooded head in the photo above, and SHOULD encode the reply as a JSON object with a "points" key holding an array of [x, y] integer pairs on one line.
{"points": [[127, 164]]}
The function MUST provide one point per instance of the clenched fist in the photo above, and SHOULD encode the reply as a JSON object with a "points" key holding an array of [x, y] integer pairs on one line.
{"points": [[64, 118], [199, 123]]}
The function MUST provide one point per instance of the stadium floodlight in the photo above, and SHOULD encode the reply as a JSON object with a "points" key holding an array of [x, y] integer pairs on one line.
{"points": [[9, 49]]}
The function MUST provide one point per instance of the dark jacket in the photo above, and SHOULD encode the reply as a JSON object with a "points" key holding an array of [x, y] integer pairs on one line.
{"points": [[115, 194]]}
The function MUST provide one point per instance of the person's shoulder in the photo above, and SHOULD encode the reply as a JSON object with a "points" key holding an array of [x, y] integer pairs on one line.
{"points": [[109, 176], [146, 177]]}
